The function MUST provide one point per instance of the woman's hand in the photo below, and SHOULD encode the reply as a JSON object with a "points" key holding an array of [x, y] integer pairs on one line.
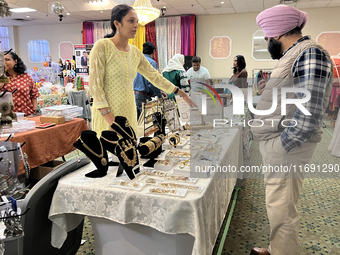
{"points": [[186, 98], [2, 85]]}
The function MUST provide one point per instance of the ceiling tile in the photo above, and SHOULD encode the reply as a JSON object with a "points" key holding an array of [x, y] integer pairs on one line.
{"points": [[227, 10], [213, 10], [334, 3], [70, 6], [304, 4], [37, 4], [254, 7], [319, 4]]}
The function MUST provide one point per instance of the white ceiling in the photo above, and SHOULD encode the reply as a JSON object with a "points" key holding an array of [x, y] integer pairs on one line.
{"points": [[81, 11]]}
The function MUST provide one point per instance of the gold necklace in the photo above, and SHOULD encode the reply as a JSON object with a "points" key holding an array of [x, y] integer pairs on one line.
{"points": [[130, 162], [109, 140], [103, 161], [127, 124]]}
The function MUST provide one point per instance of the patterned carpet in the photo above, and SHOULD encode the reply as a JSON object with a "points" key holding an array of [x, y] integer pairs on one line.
{"points": [[249, 227]]}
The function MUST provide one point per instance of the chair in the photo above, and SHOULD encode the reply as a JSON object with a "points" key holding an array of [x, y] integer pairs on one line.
{"points": [[80, 99], [35, 223]]}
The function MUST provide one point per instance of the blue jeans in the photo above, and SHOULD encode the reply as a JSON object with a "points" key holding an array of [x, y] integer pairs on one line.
{"points": [[140, 99]]}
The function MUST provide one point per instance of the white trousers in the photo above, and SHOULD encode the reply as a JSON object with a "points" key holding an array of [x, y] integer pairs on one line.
{"points": [[283, 181]]}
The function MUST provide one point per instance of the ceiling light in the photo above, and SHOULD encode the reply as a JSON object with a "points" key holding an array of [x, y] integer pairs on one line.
{"points": [[27, 16], [222, 2], [20, 10], [145, 11], [68, 13], [287, 1], [95, 1], [101, 11]]}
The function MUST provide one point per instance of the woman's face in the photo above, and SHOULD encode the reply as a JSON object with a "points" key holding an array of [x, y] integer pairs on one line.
{"points": [[235, 62], [129, 25], [9, 62]]}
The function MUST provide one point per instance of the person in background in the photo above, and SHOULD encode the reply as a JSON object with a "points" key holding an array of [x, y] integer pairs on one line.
{"points": [[239, 78], [143, 89], [113, 68], [197, 72], [175, 73], [26, 94], [303, 64], [84, 60]]}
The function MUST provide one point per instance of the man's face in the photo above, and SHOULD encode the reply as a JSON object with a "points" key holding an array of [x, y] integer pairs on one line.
{"points": [[274, 48], [196, 66], [84, 54]]}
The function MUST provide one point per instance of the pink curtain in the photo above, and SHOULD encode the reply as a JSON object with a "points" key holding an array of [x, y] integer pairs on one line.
{"points": [[186, 35], [88, 30]]}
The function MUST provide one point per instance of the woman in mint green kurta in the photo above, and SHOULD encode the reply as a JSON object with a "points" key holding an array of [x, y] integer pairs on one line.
{"points": [[175, 73]]}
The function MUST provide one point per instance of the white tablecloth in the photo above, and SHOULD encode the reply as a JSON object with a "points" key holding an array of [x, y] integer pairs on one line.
{"points": [[198, 214]]}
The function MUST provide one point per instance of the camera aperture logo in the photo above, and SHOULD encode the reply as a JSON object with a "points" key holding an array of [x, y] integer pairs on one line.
{"points": [[238, 105]]}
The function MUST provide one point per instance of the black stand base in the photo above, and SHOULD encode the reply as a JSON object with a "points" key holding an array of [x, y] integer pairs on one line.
{"points": [[120, 170], [95, 174], [150, 163]]}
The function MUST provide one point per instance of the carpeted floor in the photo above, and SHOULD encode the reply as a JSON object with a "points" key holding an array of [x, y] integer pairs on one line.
{"points": [[249, 227]]}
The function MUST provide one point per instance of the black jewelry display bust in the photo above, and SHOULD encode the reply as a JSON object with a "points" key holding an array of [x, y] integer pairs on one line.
{"points": [[109, 140], [122, 127], [94, 150]]}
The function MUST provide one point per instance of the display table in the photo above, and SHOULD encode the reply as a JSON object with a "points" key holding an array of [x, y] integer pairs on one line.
{"points": [[44, 145], [121, 217]]}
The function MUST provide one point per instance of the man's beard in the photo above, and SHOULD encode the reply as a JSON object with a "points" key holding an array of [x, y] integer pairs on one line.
{"points": [[275, 48]]}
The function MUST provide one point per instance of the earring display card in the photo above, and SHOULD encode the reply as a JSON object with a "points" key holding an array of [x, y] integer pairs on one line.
{"points": [[169, 192], [189, 187], [165, 165], [126, 184], [156, 173]]}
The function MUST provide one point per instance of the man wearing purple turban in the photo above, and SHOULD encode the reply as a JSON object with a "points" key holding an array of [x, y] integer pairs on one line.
{"points": [[288, 146]]}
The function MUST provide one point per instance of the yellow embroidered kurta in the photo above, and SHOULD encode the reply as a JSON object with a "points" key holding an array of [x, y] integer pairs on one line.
{"points": [[112, 73]]}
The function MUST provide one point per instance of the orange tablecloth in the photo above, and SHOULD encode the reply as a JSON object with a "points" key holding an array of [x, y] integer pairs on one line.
{"points": [[44, 145]]}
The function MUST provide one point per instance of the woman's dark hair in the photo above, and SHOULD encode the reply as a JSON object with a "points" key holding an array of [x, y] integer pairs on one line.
{"points": [[19, 67], [118, 13], [241, 63]]}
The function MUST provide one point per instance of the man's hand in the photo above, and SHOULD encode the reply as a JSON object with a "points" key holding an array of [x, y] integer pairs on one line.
{"points": [[262, 85], [164, 94]]}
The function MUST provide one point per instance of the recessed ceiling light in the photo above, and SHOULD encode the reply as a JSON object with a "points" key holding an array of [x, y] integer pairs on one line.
{"points": [[68, 13], [27, 16], [22, 10], [222, 2], [101, 11]]}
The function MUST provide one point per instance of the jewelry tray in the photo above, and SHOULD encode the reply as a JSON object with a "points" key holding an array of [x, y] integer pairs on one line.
{"points": [[167, 191]]}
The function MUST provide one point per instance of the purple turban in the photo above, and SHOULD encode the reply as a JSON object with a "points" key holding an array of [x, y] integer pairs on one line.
{"points": [[280, 19]]}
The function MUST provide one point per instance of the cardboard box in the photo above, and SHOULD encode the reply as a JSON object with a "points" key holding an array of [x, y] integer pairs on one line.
{"points": [[39, 172], [52, 119]]}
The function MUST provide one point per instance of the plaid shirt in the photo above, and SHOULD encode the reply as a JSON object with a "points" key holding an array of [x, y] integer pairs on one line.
{"points": [[312, 71]]}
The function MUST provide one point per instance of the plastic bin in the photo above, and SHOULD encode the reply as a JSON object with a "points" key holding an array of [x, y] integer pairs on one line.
{"points": [[69, 111], [20, 115]]}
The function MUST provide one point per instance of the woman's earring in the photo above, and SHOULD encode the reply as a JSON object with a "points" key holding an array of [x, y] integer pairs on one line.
{"points": [[118, 33], [15, 65]]}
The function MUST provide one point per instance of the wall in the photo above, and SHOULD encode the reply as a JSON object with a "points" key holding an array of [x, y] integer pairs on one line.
{"points": [[240, 28], [54, 34]]}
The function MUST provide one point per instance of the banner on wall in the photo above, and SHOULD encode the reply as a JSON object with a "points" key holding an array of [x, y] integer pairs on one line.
{"points": [[82, 53]]}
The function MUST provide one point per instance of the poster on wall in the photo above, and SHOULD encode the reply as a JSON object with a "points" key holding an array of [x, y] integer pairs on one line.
{"points": [[82, 53]]}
